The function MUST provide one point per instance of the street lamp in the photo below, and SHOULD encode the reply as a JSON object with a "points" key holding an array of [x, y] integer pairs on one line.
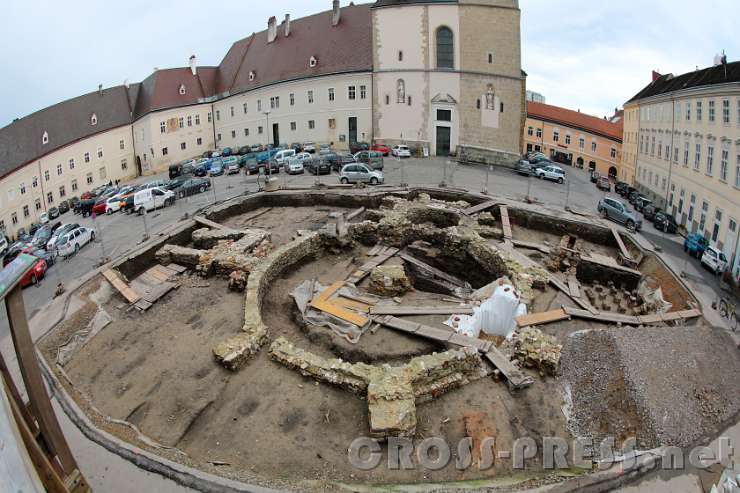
{"points": [[269, 165]]}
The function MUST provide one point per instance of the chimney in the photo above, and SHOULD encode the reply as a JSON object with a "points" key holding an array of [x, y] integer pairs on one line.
{"points": [[193, 63], [286, 24], [271, 29], [656, 76], [126, 84], [336, 13], [100, 89]]}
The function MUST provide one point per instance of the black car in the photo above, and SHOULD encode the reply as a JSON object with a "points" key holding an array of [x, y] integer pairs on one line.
{"points": [[85, 207], [355, 147], [54, 213], [632, 197], [33, 228], [250, 165], [192, 187], [63, 207], [317, 166], [296, 147], [243, 150], [594, 176], [176, 183], [621, 188], [629, 191], [665, 222], [201, 170], [44, 234], [650, 211], [274, 167]]}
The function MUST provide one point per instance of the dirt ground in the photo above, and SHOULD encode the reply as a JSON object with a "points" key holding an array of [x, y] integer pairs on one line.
{"points": [[551, 240]]}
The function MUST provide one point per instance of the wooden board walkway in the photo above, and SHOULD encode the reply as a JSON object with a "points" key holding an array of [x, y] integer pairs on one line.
{"points": [[609, 317], [112, 277], [534, 319], [516, 378], [154, 283], [574, 287], [480, 207], [505, 222], [421, 310], [365, 269]]}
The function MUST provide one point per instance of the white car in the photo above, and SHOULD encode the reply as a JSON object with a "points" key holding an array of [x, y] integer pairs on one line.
{"points": [[152, 198], [113, 204], [44, 218], [60, 231], [284, 156], [294, 166], [3, 244], [715, 260], [401, 151], [309, 147], [554, 173], [71, 242]]}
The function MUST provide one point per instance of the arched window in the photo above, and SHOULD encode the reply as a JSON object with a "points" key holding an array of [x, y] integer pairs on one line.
{"points": [[400, 91], [445, 48], [94, 119]]}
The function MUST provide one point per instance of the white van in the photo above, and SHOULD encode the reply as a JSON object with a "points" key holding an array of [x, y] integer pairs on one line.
{"points": [[153, 198], [283, 156]]}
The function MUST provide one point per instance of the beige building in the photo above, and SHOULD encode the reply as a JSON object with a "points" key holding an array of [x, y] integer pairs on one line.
{"points": [[574, 138], [686, 131], [431, 73]]}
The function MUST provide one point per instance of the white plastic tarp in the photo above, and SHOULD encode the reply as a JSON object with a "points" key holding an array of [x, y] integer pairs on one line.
{"points": [[496, 316]]}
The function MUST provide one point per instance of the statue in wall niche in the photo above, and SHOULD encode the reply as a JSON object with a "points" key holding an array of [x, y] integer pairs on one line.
{"points": [[490, 98], [400, 91]]}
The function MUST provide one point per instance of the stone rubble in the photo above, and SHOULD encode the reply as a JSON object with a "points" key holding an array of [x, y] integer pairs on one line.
{"points": [[534, 349], [389, 281]]}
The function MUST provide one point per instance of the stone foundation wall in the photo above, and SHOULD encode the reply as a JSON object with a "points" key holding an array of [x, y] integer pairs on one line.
{"points": [[481, 155]]}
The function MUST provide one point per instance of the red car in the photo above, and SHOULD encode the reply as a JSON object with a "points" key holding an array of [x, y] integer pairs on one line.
{"points": [[34, 275], [100, 207], [382, 148]]}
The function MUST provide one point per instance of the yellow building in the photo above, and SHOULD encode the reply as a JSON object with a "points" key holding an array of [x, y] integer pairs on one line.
{"points": [[575, 139]]}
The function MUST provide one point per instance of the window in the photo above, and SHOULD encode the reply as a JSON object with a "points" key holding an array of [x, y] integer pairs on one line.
{"points": [[121, 144], [210, 117], [490, 58], [672, 195], [124, 164], [62, 191], [400, 55], [613, 153], [697, 157], [692, 207], [259, 105], [102, 173], [711, 111], [593, 146], [331, 94], [581, 143], [233, 134], [182, 90], [312, 62], [59, 169], [409, 98], [445, 48], [218, 137], [89, 178], [663, 183], [14, 216], [641, 144], [311, 124], [197, 119], [555, 136], [164, 151], [332, 123], [310, 97], [46, 175], [567, 139], [292, 99], [190, 121], [652, 147], [667, 154], [446, 116], [539, 133], [723, 165], [703, 217], [45, 138], [675, 154], [293, 126], [660, 149], [737, 171], [231, 111], [37, 203], [23, 188], [686, 154], [387, 99], [698, 111], [363, 95], [49, 198], [100, 153], [199, 141], [74, 185], [162, 127], [26, 212], [246, 132], [530, 130], [726, 111], [710, 159], [688, 111], [218, 115], [181, 122], [351, 93], [260, 130], [183, 146]]}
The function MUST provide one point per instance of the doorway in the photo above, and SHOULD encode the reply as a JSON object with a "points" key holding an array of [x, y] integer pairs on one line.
{"points": [[138, 166], [579, 162], [613, 172], [443, 141], [352, 129], [275, 134]]}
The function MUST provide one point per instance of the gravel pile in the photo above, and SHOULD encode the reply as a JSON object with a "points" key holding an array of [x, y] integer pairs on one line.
{"points": [[664, 385]]}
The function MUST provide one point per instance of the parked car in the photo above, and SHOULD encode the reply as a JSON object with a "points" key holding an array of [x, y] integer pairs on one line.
{"points": [[324, 148], [294, 166], [552, 172], [33, 276], [595, 175], [274, 167], [153, 198], [355, 147], [266, 155], [85, 207], [251, 166], [695, 244], [525, 168], [401, 151], [127, 204], [650, 211], [72, 241], [642, 202], [337, 161], [153, 184], [226, 152], [360, 173], [201, 170], [620, 187], [43, 235], [629, 191], [714, 260], [632, 197], [113, 204], [257, 148], [216, 169], [231, 166], [309, 147], [61, 231], [243, 150], [44, 218], [3, 245], [381, 148], [53, 213], [100, 206], [317, 166], [192, 186], [665, 222], [603, 183], [63, 207], [373, 159], [284, 155], [616, 211]]}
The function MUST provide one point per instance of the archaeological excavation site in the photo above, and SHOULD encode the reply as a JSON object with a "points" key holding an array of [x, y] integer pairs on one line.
{"points": [[250, 345]]}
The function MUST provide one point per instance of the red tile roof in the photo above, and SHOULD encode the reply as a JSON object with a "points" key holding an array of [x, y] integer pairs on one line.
{"points": [[161, 90], [575, 119]]}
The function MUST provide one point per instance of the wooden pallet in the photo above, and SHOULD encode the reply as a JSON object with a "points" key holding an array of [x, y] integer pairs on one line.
{"points": [[534, 319], [112, 277], [382, 257]]}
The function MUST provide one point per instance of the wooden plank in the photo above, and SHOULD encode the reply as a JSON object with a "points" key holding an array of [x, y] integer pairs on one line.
{"points": [[31, 373], [480, 207], [504, 211], [434, 271], [208, 223], [154, 295], [128, 293], [421, 310], [532, 246], [329, 292], [149, 279], [365, 269], [165, 269], [340, 312], [352, 304], [157, 274], [574, 287], [177, 268], [355, 213], [255, 216], [534, 319], [606, 317], [620, 243], [375, 250], [517, 379], [439, 335], [650, 319]]}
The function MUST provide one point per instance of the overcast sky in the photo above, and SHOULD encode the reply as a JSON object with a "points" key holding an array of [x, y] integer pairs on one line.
{"points": [[580, 54]]}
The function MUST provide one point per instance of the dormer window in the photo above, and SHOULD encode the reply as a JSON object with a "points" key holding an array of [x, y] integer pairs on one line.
{"points": [[182, 89], [312, 62], [94, 119], [45, 138], [251, 76]]}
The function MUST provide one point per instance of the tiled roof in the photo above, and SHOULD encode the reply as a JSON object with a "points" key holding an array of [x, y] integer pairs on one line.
{"points": [[65, 123], [344, 48], [161, 90], [575, 119], [719, 74], [389, 3]]}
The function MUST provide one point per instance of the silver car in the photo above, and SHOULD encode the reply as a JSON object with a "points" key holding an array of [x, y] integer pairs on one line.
{"points": [[617, 211], [360, 173]]}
